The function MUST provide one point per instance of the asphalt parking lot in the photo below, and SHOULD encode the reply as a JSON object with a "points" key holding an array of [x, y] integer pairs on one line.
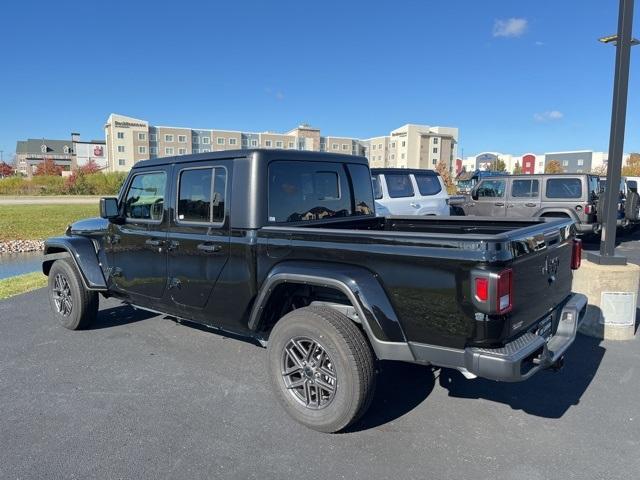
{"points": [[141, 396]]}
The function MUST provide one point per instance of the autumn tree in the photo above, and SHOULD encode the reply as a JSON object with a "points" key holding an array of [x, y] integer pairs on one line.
{"points": [[88, 168], [48, 167], [601, 170], [443, 171], [517, 169], [6, 170], [632, 169], [553, 166]]}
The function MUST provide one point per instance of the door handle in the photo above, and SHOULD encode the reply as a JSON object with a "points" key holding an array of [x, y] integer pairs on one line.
{"points": [[209, 247], [499, 204], [529, 204], [510, 205], [414, 205], [152, 242]]}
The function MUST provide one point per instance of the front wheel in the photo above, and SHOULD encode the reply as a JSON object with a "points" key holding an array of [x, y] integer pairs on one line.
{"points": [[321, 367], [72, 304]]}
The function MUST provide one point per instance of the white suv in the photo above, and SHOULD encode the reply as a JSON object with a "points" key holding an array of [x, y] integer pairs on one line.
{"points": [[402, 191]]}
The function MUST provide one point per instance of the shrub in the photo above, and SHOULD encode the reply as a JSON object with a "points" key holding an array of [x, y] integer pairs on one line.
{"points": [[79, 183]]}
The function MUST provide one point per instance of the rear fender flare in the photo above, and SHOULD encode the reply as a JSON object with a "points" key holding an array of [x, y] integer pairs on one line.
{"points": [[359, 285], [565, 211]]}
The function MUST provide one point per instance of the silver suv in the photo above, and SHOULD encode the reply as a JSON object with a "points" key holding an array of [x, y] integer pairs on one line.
{"points": [[548, 195]]}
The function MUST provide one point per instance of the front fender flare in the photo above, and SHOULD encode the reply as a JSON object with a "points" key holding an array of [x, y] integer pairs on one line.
{"points": [[83, 254], [359, 285]]}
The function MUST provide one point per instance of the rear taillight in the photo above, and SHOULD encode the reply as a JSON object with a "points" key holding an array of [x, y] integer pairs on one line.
{"points": [[493, 292], [505, 284], [576, 254], [588, 209]]}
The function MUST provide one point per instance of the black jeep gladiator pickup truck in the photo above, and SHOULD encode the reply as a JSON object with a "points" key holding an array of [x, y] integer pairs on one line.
{"points": [[284, 247]]}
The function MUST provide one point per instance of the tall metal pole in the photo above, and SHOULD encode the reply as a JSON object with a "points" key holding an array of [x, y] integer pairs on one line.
{"points": [[616, 137]]}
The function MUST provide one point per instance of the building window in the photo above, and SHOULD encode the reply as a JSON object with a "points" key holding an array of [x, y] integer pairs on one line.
{"points": [[142, 149], [66, 149], [142, 136], [205, 140], [153, 150], [578, 171], [565, 163], [267, 143], [220, 140], [404, 143], [435, 140], [541, 164], [168, 151], [153, 137], [373, 147], [345, 146], [254, 143], [233, 141], [380, 146], [279, 144], [393, 144], [195, 150], [402, 156], [245, 142], [580, 162], [334, 146], [434, 161], [291, 144], [435, 149], [182, 151], [182, 138], [120, 135], [393, 156], [168, 138], [195, 140], [120, 148], [121, 162]]}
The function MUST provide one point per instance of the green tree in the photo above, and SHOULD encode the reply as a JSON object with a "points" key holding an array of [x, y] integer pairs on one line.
{"points": [[499, 165], [517, 169]]}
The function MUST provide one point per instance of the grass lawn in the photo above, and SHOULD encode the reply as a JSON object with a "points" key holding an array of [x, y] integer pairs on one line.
{"points": [[21, 284], [37, 222]]}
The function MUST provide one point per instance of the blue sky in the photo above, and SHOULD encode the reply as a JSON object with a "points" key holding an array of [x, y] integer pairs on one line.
{"points": [[513, 76]]}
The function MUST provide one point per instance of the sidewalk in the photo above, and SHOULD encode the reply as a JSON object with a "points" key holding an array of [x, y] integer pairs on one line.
{"points": [[48, 199]]}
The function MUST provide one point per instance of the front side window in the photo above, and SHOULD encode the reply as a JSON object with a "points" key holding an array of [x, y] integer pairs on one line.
{"points": [[399, 185], [302, 191], [525, 188], [428, 184], [564, 188], [491, 189], [145, 198]]}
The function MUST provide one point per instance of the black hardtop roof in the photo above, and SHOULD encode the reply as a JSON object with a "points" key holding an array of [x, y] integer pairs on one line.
{"points": [[528, 175], [267, 154], [404, 170]]}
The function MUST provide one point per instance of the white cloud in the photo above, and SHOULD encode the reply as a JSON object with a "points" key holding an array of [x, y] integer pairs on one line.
{"points": [[511, 27], [539, 43], [548, 116]]}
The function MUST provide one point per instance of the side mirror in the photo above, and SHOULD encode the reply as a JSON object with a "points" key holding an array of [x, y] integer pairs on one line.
{"points": [[474, 194], [109, 208]]}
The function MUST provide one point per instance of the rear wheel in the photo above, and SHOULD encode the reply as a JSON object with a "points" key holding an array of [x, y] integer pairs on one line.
{"points": [[72, 304], [321, 367]]}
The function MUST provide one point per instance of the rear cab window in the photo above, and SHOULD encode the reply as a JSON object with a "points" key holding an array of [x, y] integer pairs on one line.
{"points": [[529, 188], [306, 191], [399, 185], [563, 188], [428, 184]]}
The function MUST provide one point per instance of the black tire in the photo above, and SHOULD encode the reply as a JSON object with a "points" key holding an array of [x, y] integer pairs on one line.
{"points": [[631, 206], [72, 305], [351, 362]]}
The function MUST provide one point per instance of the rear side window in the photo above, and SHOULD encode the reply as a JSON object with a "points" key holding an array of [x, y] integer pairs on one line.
{"points": [[564, 188], [302, 191], [399, 185], [428, 184], [525, 188], [201, 195], [377, 187], [491, 189], [362, 191], [145, 197]]}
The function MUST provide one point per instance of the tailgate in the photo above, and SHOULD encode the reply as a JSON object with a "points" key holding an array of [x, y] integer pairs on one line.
{"points": [[541, 278]]}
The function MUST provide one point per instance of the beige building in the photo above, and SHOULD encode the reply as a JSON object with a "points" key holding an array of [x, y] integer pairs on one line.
{"points": [[130, 140]]}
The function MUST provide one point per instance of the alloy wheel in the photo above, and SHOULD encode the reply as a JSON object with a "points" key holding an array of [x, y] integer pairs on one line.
{"points": [[62, 295]]}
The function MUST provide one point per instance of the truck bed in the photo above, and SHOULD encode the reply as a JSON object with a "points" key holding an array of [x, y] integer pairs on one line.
{"points": [[424, 265]]}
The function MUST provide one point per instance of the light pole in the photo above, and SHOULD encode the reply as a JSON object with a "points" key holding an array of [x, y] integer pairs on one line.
{"points": [[623, 42]]}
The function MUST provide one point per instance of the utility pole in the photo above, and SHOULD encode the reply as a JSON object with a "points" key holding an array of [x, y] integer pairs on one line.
{"points": [[623, 42]]}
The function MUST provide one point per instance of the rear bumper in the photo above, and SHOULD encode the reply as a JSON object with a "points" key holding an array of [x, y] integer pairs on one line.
{"points": [[517, 360], [588, 227]]}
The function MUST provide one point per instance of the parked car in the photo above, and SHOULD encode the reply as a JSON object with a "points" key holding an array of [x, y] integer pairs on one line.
{"points": [[403, 191], [571, 196], [466, 181], [628, 208], [284, 247]]}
